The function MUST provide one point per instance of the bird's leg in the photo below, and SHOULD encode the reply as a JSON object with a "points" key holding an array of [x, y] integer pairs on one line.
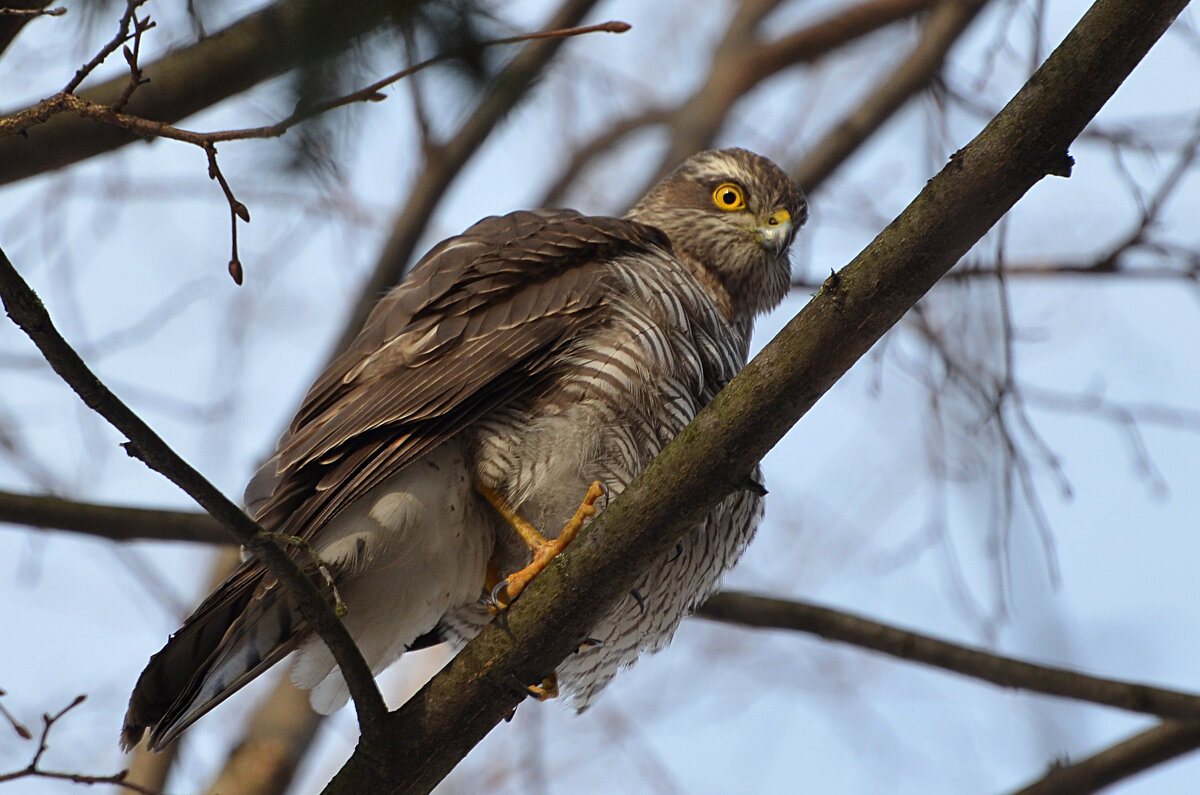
{"points": [[544, 549]]}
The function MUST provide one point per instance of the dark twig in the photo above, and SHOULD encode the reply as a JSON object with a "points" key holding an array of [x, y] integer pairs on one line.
{"points": [[20, 728], [136, 76], [236, 210], [123, 35], [32, 770], [27, 311]]}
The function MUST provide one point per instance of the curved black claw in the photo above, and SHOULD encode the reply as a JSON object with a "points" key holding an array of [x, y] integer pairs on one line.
{"points": [[678, 553], [754, 487], [548, 689], [588, 643], [493, 599], [525, 690], [641, 600]]}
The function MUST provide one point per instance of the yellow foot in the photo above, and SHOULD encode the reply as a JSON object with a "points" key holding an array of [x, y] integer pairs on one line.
{"points": [[547, 690], [544, 550]]}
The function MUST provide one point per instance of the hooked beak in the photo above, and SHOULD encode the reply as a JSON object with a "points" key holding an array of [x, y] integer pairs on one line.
{"points": [[775, 235]]}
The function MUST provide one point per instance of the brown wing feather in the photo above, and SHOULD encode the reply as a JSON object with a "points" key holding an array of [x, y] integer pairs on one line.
{"points": [[475, 327]]}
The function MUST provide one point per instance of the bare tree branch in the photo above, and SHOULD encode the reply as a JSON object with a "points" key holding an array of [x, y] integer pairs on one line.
{"points": [[1028, 140], [23, 121], [117, 523], [260, 46], [766, 613], [27, 311], [1121, 761]]}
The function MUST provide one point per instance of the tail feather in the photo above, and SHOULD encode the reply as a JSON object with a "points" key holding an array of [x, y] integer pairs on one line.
{"points": [[242, 629]]}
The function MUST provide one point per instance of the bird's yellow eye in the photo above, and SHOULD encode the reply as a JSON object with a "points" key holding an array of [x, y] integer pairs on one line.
{"points": [[728, 196]]}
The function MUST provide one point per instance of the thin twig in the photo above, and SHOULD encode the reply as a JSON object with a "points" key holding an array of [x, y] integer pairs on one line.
{"points": [[20, 728], [236, 210], [136, 77], [32, 770], [123, 35]]}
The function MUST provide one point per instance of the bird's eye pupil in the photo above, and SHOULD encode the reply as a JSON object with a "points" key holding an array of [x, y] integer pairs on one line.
{"points": [[728, 196]]}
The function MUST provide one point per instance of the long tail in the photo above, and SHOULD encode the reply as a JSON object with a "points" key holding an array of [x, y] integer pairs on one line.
{"points": [[244, 627]]}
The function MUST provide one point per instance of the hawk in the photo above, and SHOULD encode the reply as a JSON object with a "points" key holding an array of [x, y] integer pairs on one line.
{"points": [[530, 356]]}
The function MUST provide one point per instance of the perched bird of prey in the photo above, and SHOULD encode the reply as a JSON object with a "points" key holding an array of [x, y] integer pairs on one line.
{"points": [[530, 356]]}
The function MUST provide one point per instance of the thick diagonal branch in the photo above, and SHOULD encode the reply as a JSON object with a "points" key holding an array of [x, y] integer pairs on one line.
{"points": [[1025, 142]]}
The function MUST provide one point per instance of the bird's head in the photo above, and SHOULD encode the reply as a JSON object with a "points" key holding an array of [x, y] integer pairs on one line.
{"points": [[730, 215]]}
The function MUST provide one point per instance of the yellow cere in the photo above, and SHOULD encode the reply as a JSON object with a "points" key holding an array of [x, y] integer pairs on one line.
{"points": [[728, 196], [779, 217]]}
